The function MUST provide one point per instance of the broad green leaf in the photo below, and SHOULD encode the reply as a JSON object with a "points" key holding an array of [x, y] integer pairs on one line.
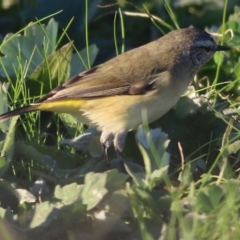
{"points": [[51, 36], [70, 9], [192, 221], [234, 24], [190, 104], [158, 175], [7, 214], [146, 200], [203, 203], [3, 164], [71, 124], [28, 152], [90, 165], [95, 148], [24, 53], [231, 189], [79, 60], [9, 140], [233, 147], [115, 180], [237, 70], [164, 202], [146, 158], [82, 141], [119, 203], [199, 163], [218, 58], [4, 126], [139, 178], [185, 176], [7, 145], [153, 146], [94, 189], [55, 67], [4, 106], [68, 194], [25, 196], [41, 215], [215, 194], [8, 195]]}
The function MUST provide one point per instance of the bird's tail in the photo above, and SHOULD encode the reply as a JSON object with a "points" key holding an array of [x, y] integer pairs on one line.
{"points": [[59, 106], [17, 112]]}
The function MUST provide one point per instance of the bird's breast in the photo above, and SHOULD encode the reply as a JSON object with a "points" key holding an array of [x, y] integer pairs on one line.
{"points": [[126, 112]]}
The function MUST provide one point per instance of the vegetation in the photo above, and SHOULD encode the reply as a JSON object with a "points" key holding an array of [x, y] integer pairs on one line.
{"points": [[183, 179]]}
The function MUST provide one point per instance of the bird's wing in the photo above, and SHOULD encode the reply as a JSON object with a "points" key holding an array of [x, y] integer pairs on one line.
{"points": [[98, 82]]}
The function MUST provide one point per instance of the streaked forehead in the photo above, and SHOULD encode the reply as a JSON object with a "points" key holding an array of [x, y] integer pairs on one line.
{"points": [[201, 38], [205, 42], [191, 33]]}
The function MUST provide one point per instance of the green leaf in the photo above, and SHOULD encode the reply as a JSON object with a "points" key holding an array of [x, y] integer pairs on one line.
{"points": [[28, 152], [209, 198], [90, 165], [119, 204], [68, 194], [24, 53], [25, 196], [81, 142], [55, 67], [7, 214], [3, 165], [203, 203], [233, 147], [95, 148], [158, 175], [146, 200], [153, 146], [79, 60], [115, 180], [9, 140], [233, 24], [192, 221], [215, 194], [190, 104], [41, 215], [139, 178], [71, 124], [185, 176], [94, 189], [218, 58], [4, 126], [97, 185], [236, 70], [7, 145], [146, 159], [51, 36], [164, 202]]}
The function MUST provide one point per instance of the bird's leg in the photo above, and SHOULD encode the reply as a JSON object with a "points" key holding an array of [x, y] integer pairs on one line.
{"points": [[119, 142], [121, 160], [105, 148], [106, 140]]}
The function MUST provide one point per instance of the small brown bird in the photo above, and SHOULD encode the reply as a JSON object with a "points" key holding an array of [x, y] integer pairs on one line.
{"points": [[113, 95]]}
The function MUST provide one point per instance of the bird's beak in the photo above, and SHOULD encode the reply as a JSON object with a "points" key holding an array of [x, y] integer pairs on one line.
{"points": [[222, 48]]}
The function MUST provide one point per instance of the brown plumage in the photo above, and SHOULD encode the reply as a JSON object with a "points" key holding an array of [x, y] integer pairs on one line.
{"points": [[114, 94]]}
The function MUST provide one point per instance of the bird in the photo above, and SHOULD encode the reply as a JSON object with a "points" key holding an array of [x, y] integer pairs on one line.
{"points": [[113, 95]]}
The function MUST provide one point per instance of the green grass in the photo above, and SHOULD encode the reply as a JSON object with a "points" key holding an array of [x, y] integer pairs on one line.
{"points": [[59, 183]]}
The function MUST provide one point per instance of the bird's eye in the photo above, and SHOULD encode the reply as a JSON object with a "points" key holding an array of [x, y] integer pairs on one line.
{"points": [[207, 49]]}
